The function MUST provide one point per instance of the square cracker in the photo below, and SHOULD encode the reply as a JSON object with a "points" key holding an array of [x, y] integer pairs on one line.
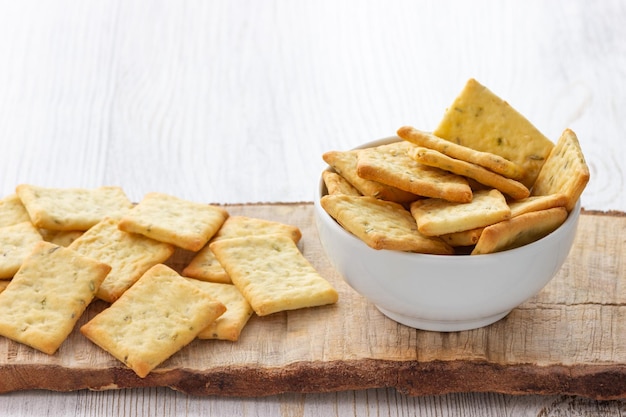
{"points": [[336, 184], [536, 203], [16, 243], [12, 211], [154, 319], [129, 255], [481, 120], [229, 325], [490, 161], [433, 158], [272, 274], [436, 217], [72, 208], [186, 224], [391, 164], [206, 267], [565, 171], [345, 164], [47, 296], [381, 224], [519, 230]]}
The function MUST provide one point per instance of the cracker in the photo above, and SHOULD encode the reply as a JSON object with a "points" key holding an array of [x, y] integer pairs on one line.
{"points": [[3, 284], [462, 238], [12, 211], [16, 243], [438, 217], [565, 171], [62, 238], [430, 157], [206, 267], [129, 255], [487, 160], [345, 164], [47, 296], [480, 120], [381, 224], [272, 274], [391, 165], [536, 203], [154, 319], [336, 184], [519, 231], [229, 325], [72, 208], [186, 224]]}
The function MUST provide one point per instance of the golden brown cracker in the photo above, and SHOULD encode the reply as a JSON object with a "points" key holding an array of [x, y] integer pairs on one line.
{"points": [[519, 231], [130, 255], [229, 325], [16, 243], [272, 274], [154, 319], [490, 161], [47, 296], [390, 164], [12, 211], [345, 164], [166, 218], [565, 171], [436, 217], [72, 208], [336, 184], [204, 266], [481, 120], [536, 203], [462, 238], [433, 158], [381, 224]]}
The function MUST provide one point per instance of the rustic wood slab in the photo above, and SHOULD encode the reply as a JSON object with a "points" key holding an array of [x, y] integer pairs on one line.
{"points": [[569, 339]]}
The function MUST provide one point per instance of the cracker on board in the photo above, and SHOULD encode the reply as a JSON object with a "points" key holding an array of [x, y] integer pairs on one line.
{"points": [[47, 296], [487, 160], [381, 224], [390, 164], [16, 243], [272, 274], [345, 164], [565, 170], [154, 319], [481, 120], [336, 184], [130, 255], [12, 211], [433, 158], [519, 231], [204, 266], [437, 217], [535, 203], [229, 325], [72, 208], [166, 218]]}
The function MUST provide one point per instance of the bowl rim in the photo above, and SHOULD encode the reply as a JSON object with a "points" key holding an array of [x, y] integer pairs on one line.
{"points": [[321, 190]]}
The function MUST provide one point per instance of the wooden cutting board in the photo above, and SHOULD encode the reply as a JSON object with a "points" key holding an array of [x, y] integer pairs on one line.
{"points": [[569, 339]]}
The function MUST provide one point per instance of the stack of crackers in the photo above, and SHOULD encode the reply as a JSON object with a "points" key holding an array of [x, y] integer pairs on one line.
{"points": [[486, 180], [63, 248]]}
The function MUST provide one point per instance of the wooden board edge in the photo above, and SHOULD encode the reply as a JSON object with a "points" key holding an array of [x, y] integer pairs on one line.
{"points": [[599, 382]]}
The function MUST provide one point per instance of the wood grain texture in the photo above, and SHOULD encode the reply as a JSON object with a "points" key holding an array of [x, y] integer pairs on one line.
{"points": [[234, 102], [566, 340]]}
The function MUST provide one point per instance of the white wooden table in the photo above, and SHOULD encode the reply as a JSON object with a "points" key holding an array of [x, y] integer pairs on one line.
{"points": [[235, 101]]}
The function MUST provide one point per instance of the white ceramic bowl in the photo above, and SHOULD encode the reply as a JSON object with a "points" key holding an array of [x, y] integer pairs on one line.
{"points": [[443, 292]]}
